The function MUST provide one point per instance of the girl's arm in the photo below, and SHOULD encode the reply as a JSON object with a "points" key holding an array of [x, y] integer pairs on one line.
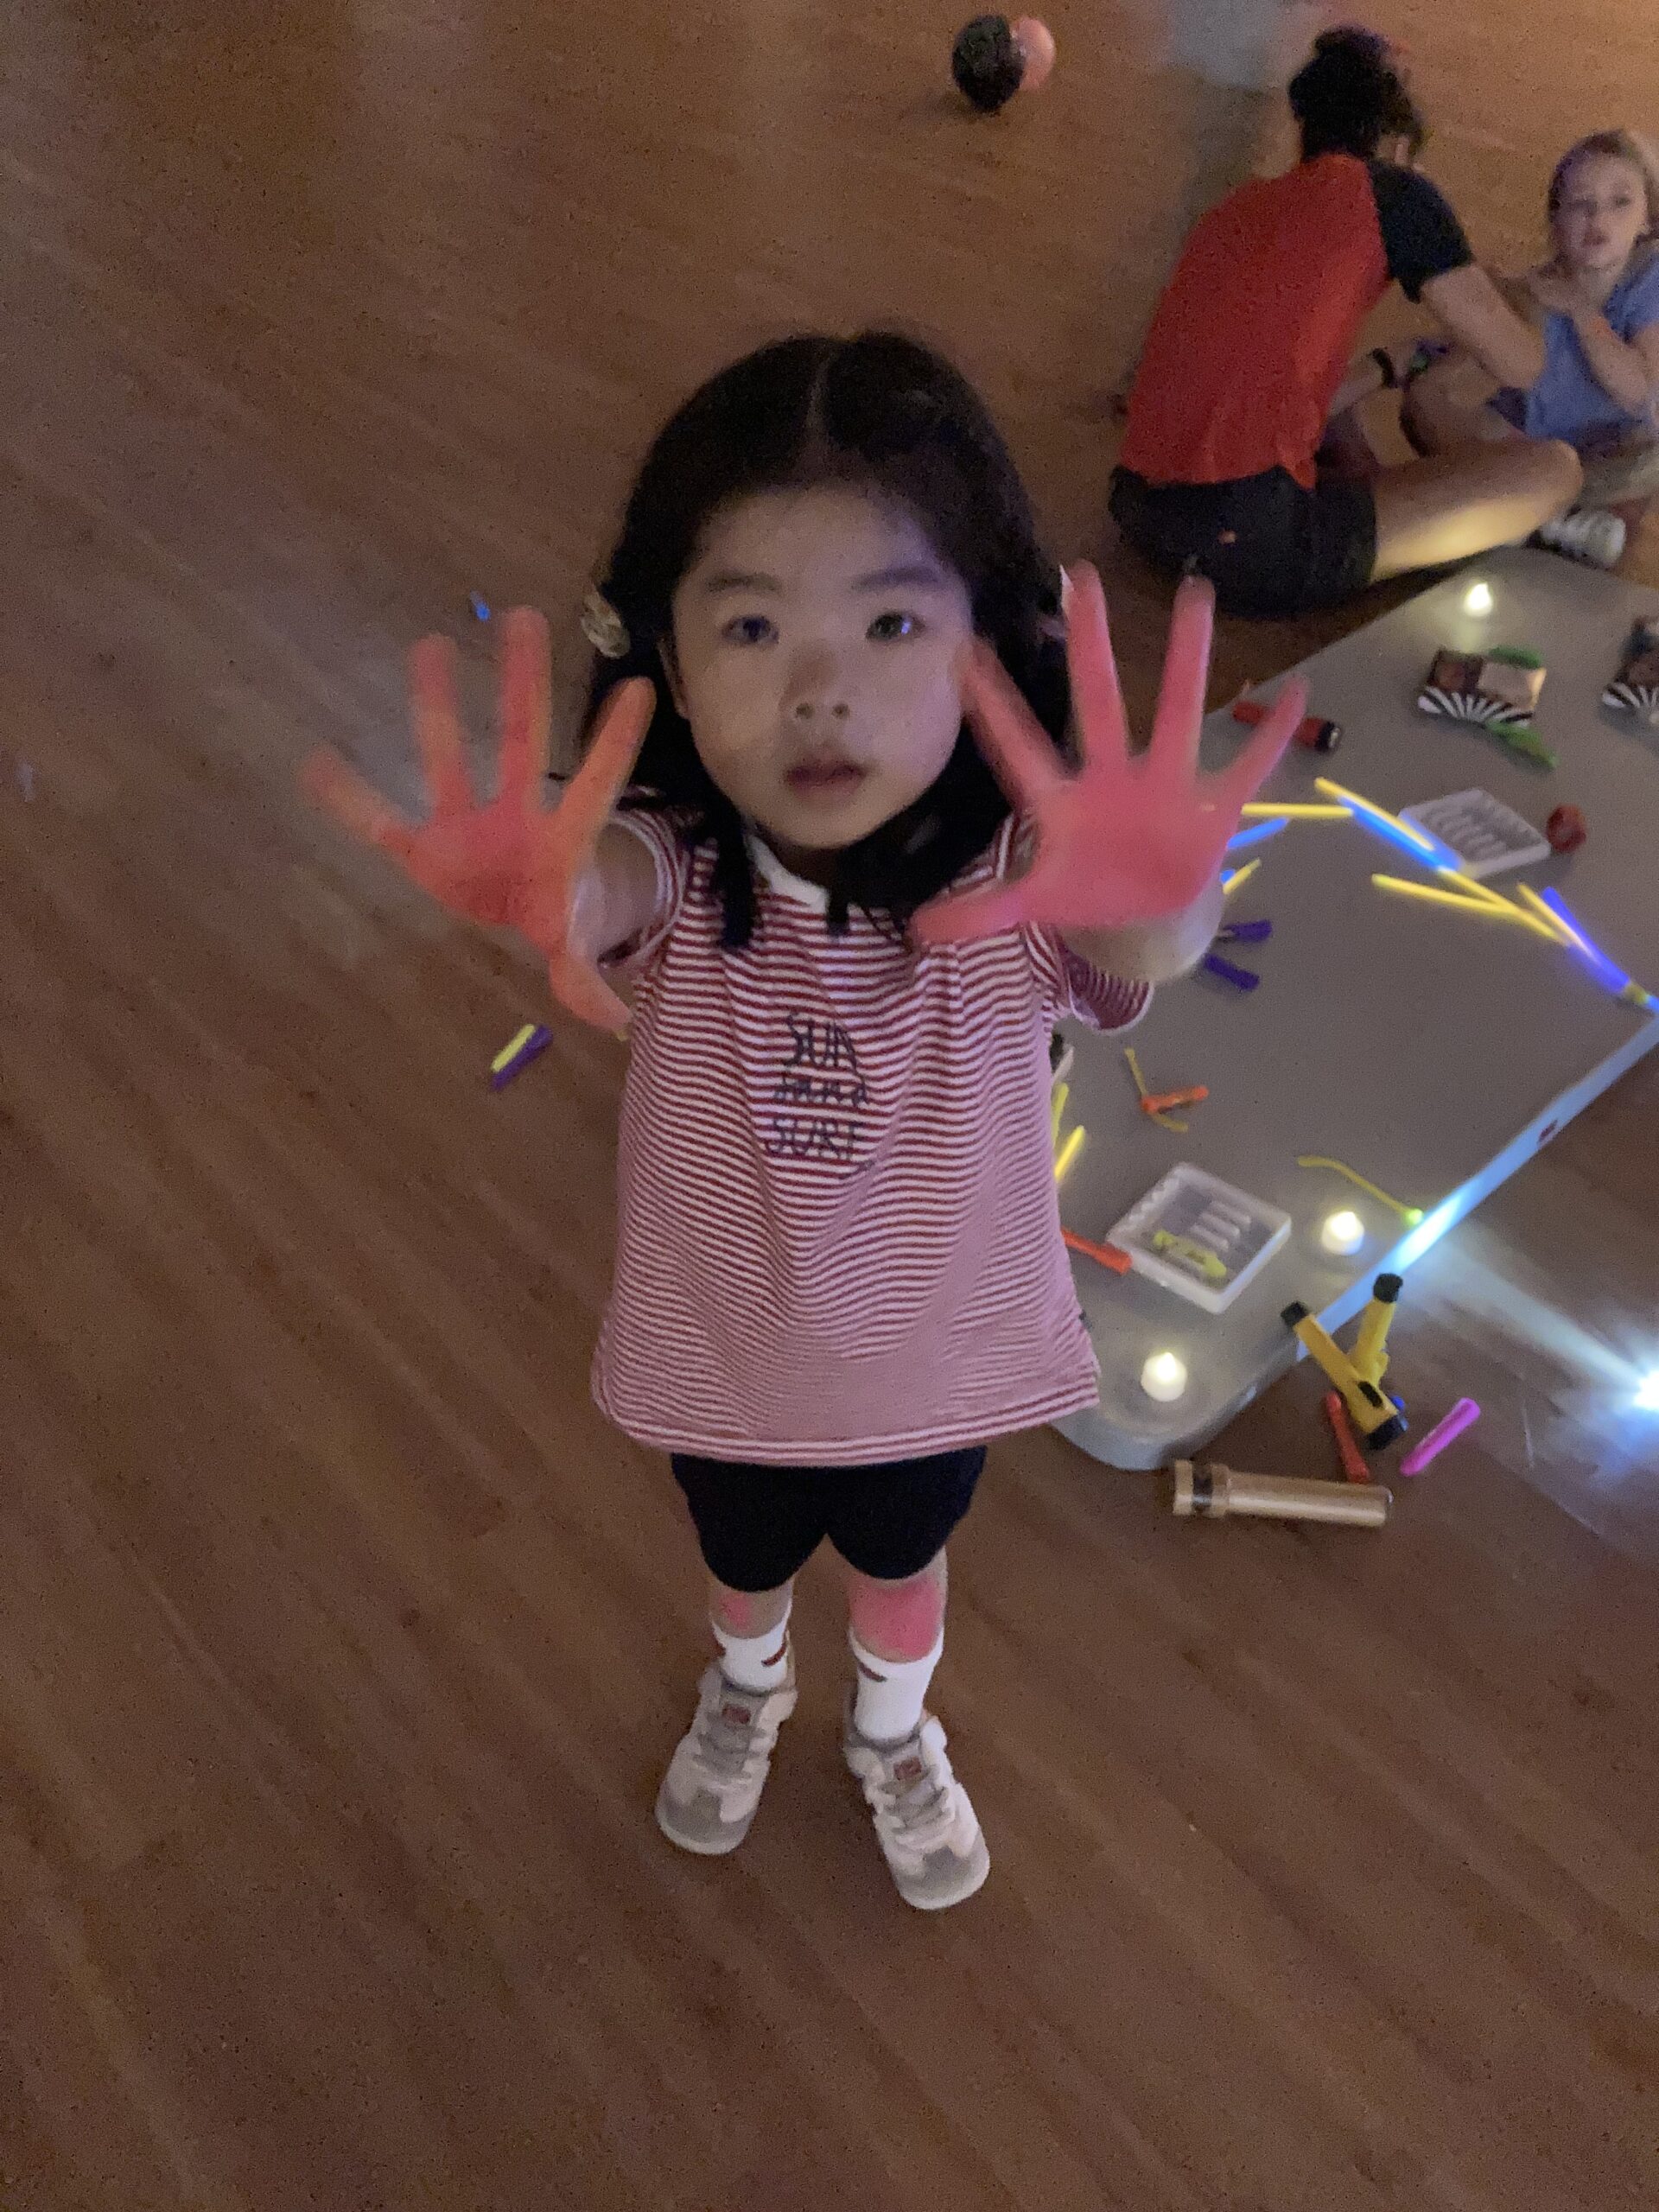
{"points": [[615, 898], [1123, 835], [1469, 306], [1626, 369], [1153, 952], [563, 876]]}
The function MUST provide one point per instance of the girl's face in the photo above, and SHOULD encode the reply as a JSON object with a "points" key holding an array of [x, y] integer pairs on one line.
{"points": [[818, 638], [1604, 210]]}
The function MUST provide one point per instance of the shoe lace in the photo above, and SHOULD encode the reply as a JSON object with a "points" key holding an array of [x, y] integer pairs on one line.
{"points": [[727, 1749], [917, 1800]]}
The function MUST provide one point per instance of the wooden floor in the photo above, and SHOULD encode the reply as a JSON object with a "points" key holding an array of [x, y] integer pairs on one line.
{"points": [[340, 1642]]}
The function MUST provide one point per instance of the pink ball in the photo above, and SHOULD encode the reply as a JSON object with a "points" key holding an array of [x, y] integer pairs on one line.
{"points": [[1036, 43]]}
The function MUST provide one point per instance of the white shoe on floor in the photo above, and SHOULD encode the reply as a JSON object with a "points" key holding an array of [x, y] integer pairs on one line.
{"points": [[712, 1788], [928, 1829], [1588, 534]]}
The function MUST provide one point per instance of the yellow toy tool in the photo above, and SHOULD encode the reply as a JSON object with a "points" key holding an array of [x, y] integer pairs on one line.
{"points": [[1369, 1357], [1358, 1374]]}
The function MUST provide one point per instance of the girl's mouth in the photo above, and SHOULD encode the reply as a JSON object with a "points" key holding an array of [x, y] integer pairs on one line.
{"points": [[830, 777]]}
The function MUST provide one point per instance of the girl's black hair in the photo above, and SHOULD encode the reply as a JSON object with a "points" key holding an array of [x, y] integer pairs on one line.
{"points": [[1350, 97], [886, 415]]}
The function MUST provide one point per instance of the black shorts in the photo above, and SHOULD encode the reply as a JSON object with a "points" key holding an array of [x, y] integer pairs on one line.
{"points": [[759, 1526], [1269, 546]]}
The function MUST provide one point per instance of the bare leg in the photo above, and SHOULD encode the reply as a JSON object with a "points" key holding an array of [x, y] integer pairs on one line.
{"points": [[1448, 409], [1624, 480], [747, 1613], [899, 1621], [1433, 512]]}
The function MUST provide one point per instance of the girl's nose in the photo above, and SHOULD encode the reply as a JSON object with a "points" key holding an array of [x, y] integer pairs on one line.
{"points": [[817, 693]]}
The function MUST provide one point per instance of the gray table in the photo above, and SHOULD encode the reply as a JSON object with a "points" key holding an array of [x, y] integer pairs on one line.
{"points": [[1433, 1052]]}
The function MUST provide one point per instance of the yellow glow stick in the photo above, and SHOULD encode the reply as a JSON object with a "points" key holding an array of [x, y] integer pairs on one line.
{"points": [[1069, 1152], [1370, 806], [1259, 811], [1471, 888], [508, 1052], [1500, 911], [1561, 930], [1056, 1110], [1410, 1215], [1230, 883], [1164, 1121]]}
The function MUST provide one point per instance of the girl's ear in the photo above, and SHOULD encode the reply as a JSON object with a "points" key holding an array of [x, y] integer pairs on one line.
{"points": [[671, 677]]}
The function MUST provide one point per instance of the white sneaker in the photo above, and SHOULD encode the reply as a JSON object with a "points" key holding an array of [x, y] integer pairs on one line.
{"points": [[1588, 534], [714, 1782], [928, 1829]]}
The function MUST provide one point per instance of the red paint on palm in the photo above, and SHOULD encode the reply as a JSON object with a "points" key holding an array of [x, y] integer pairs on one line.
{"points": [[512, 862], [1125, 836]]}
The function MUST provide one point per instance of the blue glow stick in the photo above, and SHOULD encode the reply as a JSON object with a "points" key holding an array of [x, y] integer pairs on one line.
{"points": [[1614, 977], [1255, 832], [1426, 849]]}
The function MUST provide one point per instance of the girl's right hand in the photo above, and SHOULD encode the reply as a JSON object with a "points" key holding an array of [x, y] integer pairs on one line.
{"points": [[512, 862], [1555, 291]]}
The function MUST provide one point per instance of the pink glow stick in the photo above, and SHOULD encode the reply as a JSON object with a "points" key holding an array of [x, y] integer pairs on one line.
{"points": [[1463, 1415]]}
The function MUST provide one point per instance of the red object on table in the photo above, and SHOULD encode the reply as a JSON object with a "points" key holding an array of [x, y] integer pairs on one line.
{"points": [[1166, 1102], [1104, 1256], [1313, 732], [1348, 1450], [1565, 830]]}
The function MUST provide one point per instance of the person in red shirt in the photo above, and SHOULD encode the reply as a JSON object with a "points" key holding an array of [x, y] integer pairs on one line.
{"points": [[1246, 375]]}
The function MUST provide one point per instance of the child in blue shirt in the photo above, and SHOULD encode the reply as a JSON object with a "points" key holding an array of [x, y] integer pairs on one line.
{"points": [[1598, 299]]}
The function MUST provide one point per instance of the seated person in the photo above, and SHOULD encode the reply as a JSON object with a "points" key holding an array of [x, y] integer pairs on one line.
{"points": [[1247, 363], [1598, 300]]}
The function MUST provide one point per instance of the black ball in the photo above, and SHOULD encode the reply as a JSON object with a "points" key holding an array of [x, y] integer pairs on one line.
{"points": [[988, 66]]}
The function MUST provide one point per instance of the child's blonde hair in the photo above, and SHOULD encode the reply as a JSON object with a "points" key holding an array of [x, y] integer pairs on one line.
{"points": [[1611, 145]]}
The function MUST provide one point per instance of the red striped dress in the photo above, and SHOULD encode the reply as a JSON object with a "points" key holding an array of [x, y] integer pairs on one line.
{"points": [[838, 1240]]}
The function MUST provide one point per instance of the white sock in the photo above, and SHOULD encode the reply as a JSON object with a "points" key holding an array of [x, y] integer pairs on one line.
{"points": [[755, 1662], [888, 1706]]}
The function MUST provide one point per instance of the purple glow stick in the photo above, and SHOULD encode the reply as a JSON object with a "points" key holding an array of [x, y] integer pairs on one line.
{"points": [[1241, 978], [530, 1041], [1463, 1415]]}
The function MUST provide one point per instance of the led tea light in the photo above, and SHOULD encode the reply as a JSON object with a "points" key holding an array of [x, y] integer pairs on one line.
{"points": [[1342, 1234], [1478, 600], [1164, 1377]]}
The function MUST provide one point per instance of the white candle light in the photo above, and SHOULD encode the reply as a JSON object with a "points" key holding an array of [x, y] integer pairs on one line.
{"points": [[1478, 600], [1164, 1377], [1342, 1234]]}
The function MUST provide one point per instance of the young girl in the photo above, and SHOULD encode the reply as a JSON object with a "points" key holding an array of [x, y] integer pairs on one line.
{"points": [[1598, 298], [839, 1268]]}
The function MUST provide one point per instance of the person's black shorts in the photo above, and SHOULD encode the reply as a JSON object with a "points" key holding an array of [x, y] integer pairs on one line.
{"points": [[1269, 546], [759, 1526]]}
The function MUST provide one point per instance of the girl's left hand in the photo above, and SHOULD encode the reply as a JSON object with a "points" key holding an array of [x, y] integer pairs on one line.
{"points": [[1125, 837]]}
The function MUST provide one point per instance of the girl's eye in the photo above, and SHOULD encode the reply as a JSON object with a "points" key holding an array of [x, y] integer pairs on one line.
{"points": [[887, 628], [750, 630]]}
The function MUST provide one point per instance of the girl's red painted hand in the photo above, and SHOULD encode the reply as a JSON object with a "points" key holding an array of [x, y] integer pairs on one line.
{"points": [[512, 862], [1125, 837]]}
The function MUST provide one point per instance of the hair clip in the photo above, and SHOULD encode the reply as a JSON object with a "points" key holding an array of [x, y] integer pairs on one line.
{"points": [[602, 627]]}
